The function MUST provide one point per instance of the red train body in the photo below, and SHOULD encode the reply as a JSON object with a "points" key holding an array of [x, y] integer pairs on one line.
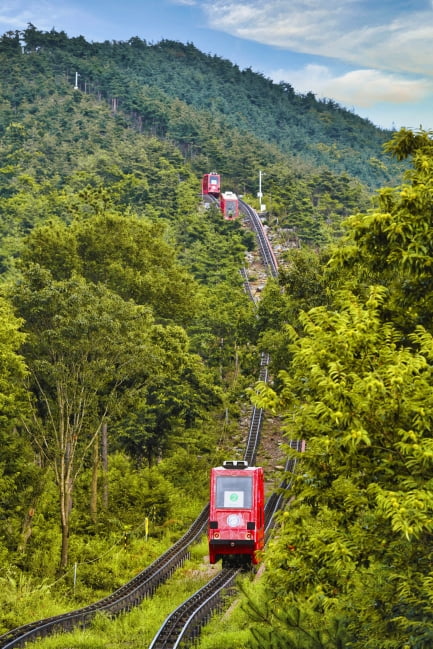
{"points": [[211, 184], [229, 205], [228, 201], [237, 514]]}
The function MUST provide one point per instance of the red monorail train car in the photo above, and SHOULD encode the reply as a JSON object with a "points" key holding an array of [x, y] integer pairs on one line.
{"points": [[237, 514], [229, 205], [211, 184]]}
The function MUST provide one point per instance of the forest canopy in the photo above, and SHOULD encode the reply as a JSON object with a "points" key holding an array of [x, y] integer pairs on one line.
{"points": [[129, 345]]}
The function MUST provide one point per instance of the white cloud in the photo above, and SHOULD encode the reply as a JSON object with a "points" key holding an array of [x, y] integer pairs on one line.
{"points": [[15, 16], [44, 15], [58, 14], [378, 36], [186, 3], [363, 88]]}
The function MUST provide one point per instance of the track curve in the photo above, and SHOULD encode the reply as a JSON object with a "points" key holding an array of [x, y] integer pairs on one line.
{"points": [[121, 600], [265, 248]]}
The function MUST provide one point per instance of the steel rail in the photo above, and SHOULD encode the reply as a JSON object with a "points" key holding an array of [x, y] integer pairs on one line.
{"points": [[247, 285], [193, 611]]}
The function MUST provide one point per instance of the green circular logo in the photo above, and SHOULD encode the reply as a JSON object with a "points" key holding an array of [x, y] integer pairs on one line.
{"points": [[234, 497]]}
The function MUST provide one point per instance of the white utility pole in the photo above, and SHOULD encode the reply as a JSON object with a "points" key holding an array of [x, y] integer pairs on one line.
{"points": [[259, 193]]}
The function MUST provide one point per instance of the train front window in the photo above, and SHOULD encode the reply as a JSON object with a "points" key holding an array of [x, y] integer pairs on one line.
{"points": [[234, 492]]}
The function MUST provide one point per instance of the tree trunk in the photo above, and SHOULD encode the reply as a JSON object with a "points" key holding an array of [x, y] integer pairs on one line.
{"points": [[104, 449], [64, 554], [65, 511], [94, 483]]}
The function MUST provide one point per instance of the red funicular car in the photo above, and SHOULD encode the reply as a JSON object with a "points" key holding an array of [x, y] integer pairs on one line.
{"points": [[229, 205], [211, 184], [237, 516]]}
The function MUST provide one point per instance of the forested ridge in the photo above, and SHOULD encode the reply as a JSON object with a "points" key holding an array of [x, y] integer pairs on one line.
{"points": [[318, 159], [128, 347], [151, 81]]}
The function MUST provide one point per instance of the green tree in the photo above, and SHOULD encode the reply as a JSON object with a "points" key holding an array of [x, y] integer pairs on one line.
{"points": [[173, 405], [18, 472], [354, 550], [392, 243], [10, 43], [127, 254], [85, 346], [355, 544]]}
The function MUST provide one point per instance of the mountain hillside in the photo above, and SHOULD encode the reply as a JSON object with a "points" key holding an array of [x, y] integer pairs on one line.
{"points": [[177, 92], [143, 118]]}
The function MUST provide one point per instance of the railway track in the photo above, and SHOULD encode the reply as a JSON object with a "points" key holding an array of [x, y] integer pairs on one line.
{"points": [[123, 599], [278, 498], [256, 421], [186, 620], [265, 248], [185, 623]]}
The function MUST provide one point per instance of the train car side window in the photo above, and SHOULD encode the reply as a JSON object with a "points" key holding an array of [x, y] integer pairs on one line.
{"points": [[234, 492]]}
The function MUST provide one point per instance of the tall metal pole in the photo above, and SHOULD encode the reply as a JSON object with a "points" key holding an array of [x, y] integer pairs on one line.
{"points": [[259, 193]]}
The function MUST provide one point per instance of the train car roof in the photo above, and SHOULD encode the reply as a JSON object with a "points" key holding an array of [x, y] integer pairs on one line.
{"points": [[235, 465]]}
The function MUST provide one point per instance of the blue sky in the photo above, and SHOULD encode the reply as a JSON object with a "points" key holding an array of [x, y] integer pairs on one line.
{"points": [[375, 57]]}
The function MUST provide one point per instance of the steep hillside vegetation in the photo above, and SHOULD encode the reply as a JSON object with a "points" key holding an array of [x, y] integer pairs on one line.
{"points": [[198, 113], [145, 80]]}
